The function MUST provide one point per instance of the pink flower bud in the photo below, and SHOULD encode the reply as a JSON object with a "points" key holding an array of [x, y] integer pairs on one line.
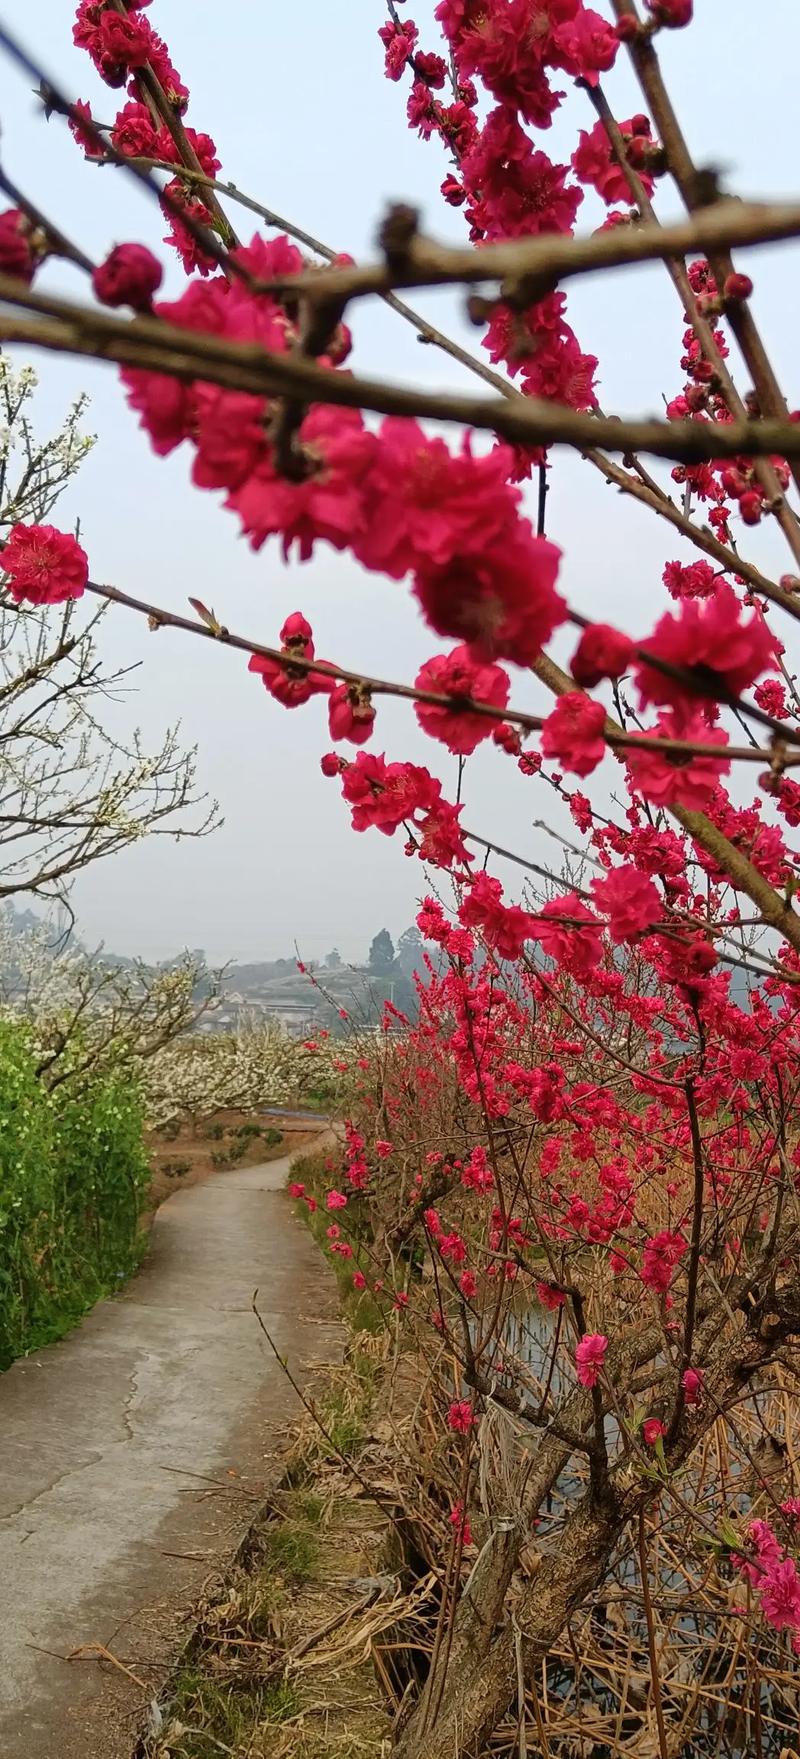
{"points": [[738, 287], [130, 275]]}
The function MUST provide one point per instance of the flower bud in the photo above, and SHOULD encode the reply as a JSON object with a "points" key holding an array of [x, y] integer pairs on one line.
{"points": [[130, 275], [738, 287], [751, 506], [16, 255]]}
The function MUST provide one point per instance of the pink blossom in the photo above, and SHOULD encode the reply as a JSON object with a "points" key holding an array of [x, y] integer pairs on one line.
{"points": [[692, 1384], [715, 639], [602, 652], [459, 1521], [502, 602], [460, 1416], [590, 1356], [335, 1200], [130, 275], [629, 900], [428, 506], [569, 933], [552, 1299], [779, 1593], [680, 780], [351, 713], [573, 733], [458, 674], [661, 1255], [44, 566]]}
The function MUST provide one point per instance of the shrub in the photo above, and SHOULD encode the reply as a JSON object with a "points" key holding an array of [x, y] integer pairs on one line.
{"points": [[73, 1173]]}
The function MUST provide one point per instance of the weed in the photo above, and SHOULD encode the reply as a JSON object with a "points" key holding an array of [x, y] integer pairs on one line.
{"points": [[279, 1702], [292, 1551], [248, 1131]]}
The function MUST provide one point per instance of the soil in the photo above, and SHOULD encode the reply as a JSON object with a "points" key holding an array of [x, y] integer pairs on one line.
{"points": [[214, 1146]]}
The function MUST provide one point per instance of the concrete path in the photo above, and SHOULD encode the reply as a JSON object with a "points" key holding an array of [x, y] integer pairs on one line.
{"points": [[134, 1454]]}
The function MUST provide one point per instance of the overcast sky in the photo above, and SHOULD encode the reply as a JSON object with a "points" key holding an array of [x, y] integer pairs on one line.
{"points": [[304, 120]]}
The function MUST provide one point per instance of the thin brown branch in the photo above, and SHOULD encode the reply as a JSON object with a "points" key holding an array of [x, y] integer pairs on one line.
{"points": [[155, 346]]}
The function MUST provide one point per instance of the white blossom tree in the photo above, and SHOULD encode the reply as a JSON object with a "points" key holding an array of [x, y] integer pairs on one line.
{"points": [[70, 792]]}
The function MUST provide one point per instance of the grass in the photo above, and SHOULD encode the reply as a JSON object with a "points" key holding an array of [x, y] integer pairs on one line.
{"points": [[292, 1550], [215, 1719]]}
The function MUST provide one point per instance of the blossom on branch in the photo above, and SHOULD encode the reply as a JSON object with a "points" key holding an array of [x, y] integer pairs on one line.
{"points": [[44, 566]]}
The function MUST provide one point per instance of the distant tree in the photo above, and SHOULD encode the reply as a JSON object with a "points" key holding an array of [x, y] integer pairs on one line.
{"points": [[410, 949], [333, 960], [381, 953]]}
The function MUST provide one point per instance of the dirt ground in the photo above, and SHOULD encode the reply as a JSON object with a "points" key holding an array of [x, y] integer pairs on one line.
{"points": [[228, 1139]]}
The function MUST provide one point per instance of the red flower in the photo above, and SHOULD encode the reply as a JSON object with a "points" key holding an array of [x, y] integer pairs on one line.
{"points": [[457, 674], [569, 934], [504, 927], [336, 1200], [428, 505], [134, 134], [573, 733], [780, 1595], [672, 13], [459, 1522], [652, 1430], [679, 781], [629, 900], [602, 652], [501, 602], [506, 48], [593, 162], [16, 254], [587, 45], [696, 580], [715, 640], [121, 44], [590, 1356], [398, 41], [460, 1416], [330, 503], [550, 1298], [351, 713], [44, 566], [290, 685], [692, 1384], [84, 136], [661, 1255], [130, 275]]}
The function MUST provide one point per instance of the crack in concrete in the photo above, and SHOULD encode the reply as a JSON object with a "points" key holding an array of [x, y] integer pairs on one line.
{"points": [[71, 1472]]}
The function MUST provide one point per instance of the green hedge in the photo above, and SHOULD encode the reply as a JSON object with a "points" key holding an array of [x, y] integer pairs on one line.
{"points": [[73, 1174]]}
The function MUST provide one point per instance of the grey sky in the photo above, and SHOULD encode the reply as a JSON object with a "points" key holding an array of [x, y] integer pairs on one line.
{"points": [[303, 118]]}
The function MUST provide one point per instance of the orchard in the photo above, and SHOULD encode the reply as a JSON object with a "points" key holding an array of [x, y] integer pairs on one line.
{"points": [[574, 1181]]}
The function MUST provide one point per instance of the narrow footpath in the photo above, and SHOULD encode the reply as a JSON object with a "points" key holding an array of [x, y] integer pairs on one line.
{"points": [[134, 1454]]}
